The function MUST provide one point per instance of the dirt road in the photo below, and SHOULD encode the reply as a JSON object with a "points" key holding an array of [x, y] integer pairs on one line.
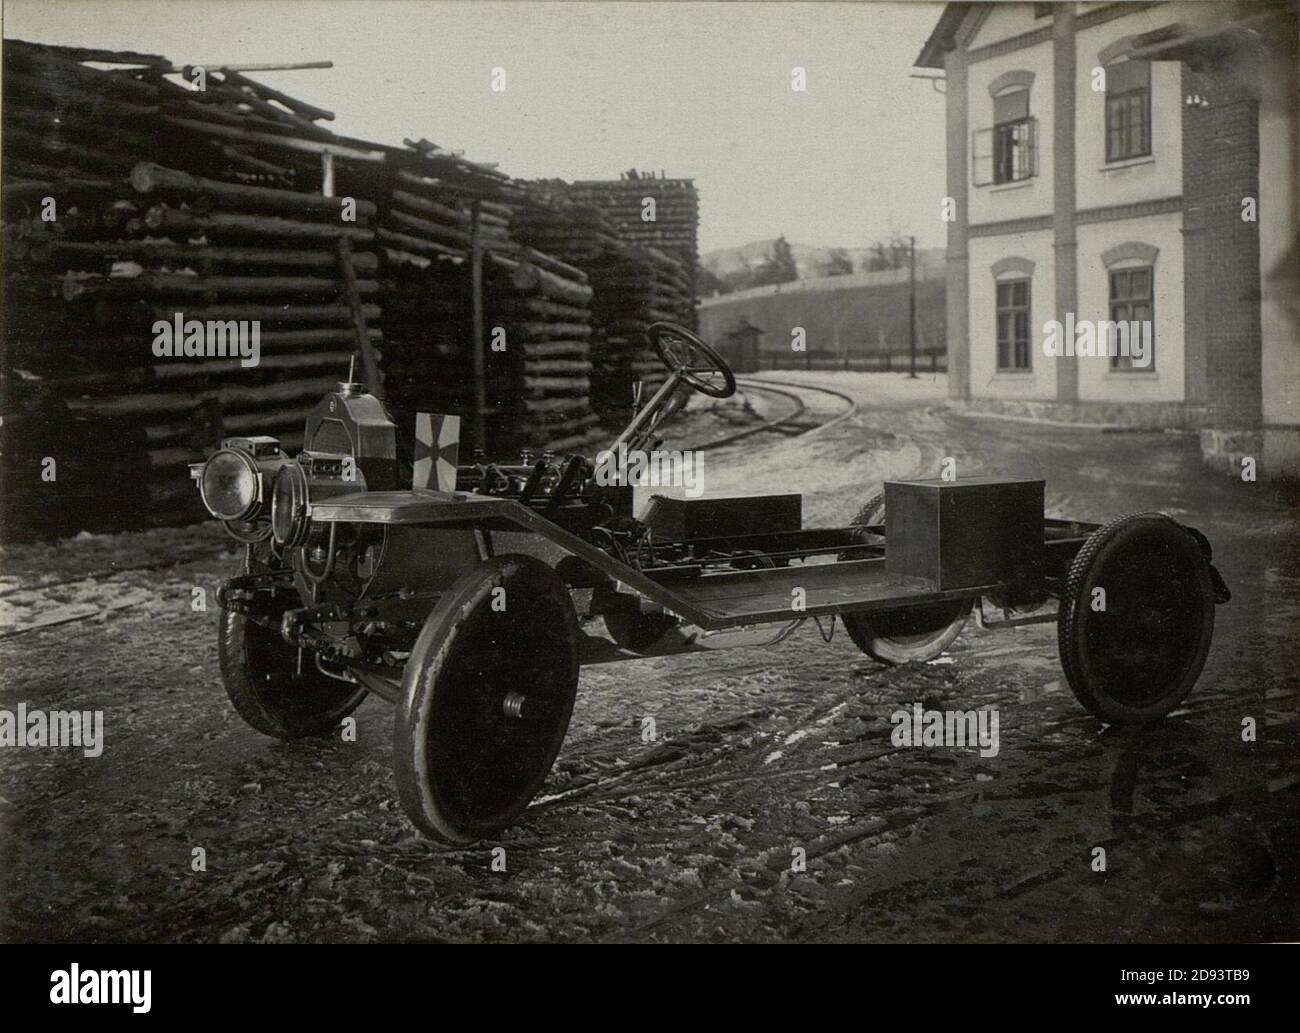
{"points": [[759, 754]]}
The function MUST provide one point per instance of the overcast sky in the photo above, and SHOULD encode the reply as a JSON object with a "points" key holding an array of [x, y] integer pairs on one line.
{"points": [[700, 90]]}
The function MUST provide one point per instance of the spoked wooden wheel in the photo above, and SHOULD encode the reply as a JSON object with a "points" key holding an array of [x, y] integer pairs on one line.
{"points": [[1133, 651], [913, 633], [487, 695], [272, 690]]}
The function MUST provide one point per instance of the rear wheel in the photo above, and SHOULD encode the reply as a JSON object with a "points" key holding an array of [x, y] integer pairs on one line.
{"points": [[635, 630], [1136, 618], [915, 633], [270, 688], [487, 695]]}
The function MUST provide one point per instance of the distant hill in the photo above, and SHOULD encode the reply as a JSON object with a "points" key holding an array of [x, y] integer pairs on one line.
{"points": [[731, 264]]}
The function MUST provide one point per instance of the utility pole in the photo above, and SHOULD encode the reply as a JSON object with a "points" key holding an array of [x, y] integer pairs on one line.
{"points": [[343, 257], [477, 357], [911, 311]]}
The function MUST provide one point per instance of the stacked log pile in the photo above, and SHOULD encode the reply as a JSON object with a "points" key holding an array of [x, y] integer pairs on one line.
{"points": [[637, 286], [535, 320], [122, 208], [536, 377], [675, 226], [543, 306], [424, 231], [431, 203], [130, 197], [428, 327], [632, 287]]}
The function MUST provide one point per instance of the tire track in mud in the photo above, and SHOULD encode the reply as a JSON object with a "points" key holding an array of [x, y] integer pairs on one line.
{"points": [[1048, 780], [1061, 866], [736, 738], [105, 593], [1059, 856], [752, 764]]}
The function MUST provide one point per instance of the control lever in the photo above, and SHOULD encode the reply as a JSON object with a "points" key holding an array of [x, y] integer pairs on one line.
{"points": [[575, 471]]}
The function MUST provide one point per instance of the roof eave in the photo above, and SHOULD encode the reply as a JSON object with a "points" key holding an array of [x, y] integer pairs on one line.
{"points": [[943, 38]]}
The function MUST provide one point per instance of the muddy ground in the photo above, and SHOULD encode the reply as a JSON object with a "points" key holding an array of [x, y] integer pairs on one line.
{"points": [[758, 753]]}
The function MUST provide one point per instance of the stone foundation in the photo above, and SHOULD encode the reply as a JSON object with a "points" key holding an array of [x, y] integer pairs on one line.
{"points": [[1129, 415], [1224, 449], [1275, 449], [1281, 452]]}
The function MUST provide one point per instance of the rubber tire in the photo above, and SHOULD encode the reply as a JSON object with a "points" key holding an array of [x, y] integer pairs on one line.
{"points": [[259, 672], [1072, 621], [887, 635], [636, 631], [427, 694]]}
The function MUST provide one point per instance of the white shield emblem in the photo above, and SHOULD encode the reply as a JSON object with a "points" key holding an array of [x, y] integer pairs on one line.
{"points": [[437, 447]]}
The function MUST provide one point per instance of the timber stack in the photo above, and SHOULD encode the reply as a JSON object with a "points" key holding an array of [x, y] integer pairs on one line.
{"points": [[536, 375], [652, 211], [632, 288], [146, 198], [534, 324], [540, 312], [132, 203], [636, 286]]}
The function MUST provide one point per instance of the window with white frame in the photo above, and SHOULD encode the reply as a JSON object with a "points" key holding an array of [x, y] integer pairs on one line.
{"points": [[1007, 152], [1132, 302], [1128, 110], [1012, 303]]}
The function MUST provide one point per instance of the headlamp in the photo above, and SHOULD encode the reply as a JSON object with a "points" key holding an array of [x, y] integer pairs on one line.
{"points": [[229, 485], [289, 506]]}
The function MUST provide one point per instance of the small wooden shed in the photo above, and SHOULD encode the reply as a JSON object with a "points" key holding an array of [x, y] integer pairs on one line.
{"points": [[739, 346]]}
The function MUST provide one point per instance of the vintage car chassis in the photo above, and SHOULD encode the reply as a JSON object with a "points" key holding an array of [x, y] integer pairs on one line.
{"points": [[472, 608]]}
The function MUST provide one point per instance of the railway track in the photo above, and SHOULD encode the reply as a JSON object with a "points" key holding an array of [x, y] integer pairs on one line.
{"points": [[791, 423]]}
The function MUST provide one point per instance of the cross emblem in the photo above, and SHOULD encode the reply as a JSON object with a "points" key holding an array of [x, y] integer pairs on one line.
{"points": [[437, 447]]}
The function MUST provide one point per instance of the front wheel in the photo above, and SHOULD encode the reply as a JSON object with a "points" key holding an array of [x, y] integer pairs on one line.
{"points": [[487, 695], [1136, 618], [274, 688]]}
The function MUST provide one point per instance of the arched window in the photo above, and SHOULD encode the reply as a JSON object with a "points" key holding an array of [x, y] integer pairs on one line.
{"points": [[1007, 152], [1131, 271], [1012, 280], [1128, 110]]}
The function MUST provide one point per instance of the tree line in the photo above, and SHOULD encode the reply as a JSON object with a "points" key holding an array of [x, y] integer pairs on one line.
{"points": [[779, 266]]}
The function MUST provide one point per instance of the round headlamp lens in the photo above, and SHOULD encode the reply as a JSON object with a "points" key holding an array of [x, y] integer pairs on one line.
{"points": [[289, 505], [229, 485]]}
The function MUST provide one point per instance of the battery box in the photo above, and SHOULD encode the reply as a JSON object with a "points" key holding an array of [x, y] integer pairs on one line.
{"points": [[678, 519], [964, 534]]}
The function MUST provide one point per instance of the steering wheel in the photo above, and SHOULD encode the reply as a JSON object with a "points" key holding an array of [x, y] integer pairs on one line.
{"points": [[699, 365]]}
